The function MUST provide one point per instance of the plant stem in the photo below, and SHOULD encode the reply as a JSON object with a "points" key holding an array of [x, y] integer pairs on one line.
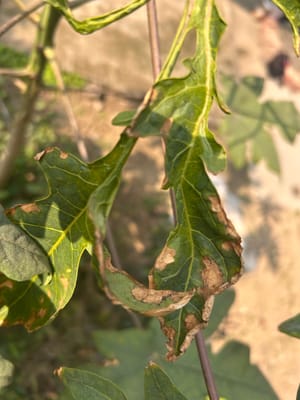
{"points": [[17, 18], [156, 67], [37, 64], [206, 367]]}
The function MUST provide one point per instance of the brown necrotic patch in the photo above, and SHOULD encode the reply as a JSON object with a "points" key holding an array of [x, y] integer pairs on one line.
{"points": [[211, 275], [217, 208], [166, 257]]}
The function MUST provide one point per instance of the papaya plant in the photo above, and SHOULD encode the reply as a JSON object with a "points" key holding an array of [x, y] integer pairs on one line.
{"points": [[42, 242]]}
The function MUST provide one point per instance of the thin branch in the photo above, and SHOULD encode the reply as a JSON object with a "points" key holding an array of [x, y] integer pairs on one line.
{"points": [[67, 104], [16, 73], [26, 13], [156, 66], [206, 367], [34, 18], [17, 18]]}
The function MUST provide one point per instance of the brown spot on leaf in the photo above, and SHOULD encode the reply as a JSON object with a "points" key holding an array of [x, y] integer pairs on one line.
{"points": [[208, 308], [63, 155], [211, 275], [7, 284], [190, 322], [29, 208], [41, 154], [165, 129], [216, 207], [167, 256]]}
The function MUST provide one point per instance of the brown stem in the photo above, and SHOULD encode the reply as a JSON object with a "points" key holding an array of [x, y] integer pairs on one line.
{"points": [[37, 64], [156, 66], [17, 18], [206, 367]]}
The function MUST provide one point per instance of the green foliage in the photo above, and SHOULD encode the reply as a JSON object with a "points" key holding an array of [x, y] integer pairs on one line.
{"points": [[93, 24], [12, 58], [291, 326], [21, 257], [86, 385], [201, 257], [6, 372], [292, 11], [158, 385], [236, 378], [60, 224], [251, 121]]}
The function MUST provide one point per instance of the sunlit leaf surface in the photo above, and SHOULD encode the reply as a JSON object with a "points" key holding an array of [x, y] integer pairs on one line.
{"points": [[291, 9], [60, 224]]}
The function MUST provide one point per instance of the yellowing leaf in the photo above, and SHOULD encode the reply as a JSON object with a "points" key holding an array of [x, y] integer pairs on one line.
{"points": [[60, 224]]}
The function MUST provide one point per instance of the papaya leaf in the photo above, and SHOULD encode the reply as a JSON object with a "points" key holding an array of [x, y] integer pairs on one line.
{"points": [[20, 256], [202, 253], [122, 289], [291, 9], [124, 118], [93, 24], [87, 385], [158, 386], [6, 372], [60, 224], [248, 127], [291, 326], [132, 349]]}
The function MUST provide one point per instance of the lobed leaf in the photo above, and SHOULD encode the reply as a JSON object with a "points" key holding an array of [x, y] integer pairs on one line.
{"points": [[60, 224], [131, 349], [93, 24], [291, 9], [87, 385], [250, 122], [202, 253], [20, 256], [291, 326]]}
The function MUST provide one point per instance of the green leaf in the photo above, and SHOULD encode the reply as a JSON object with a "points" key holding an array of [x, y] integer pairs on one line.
{"points": [[85, 385], [202, 253], [236, 378], [158, 385], [93, 24], [298, 393], [20, 256], [6, 372], [122, 289], [291, 9], [291, 326], [263, 148], [251, 120], [124, 118], [61, 225]]}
